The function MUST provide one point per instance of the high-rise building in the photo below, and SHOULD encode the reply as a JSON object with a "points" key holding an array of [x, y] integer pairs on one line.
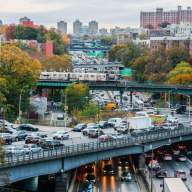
{"points": [[62, 27], [155, 19], [103, 31], [1, 22], [77, 27], [93, 27]]}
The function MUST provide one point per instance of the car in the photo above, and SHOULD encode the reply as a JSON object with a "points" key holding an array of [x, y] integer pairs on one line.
{"points": [[90, 178], [190, 172], [6, 138], [33, 140], [105, 138], [167, 157], [32, 148], [90, 127], [51, 144], [95, 133], [60, 116], [19, 135], [79, 127], [40, 134], [108, 169], [14, 150], [123, 161], [117, 136], [61, 135], [87, 187], [115, 122], [181, 174], [27, 127], [104, 124], [181, 158], [161, 173], [6, 123], [126, 176]]}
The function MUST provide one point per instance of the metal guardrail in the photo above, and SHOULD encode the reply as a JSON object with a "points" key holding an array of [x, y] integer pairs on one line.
{"points": [[96, 146]]}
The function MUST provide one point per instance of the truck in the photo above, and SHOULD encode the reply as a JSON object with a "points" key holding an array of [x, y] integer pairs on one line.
{"points": [[174, 185], [133, 123], [139, 122]]}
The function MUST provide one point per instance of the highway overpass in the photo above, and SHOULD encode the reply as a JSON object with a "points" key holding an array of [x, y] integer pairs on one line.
{"points": [[24, 166], [119, 86]]}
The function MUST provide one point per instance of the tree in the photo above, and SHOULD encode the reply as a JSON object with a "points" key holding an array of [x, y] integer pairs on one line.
{"points": [[19, 73], [77, 96], [106, 40], [57, 63], [113, 53], [181, 74]]}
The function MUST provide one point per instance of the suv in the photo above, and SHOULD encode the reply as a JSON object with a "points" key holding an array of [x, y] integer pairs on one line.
{"points": [[61, 135]]}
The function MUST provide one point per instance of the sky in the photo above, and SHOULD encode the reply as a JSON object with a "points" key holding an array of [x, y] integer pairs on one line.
{"points": [[108, 13]]}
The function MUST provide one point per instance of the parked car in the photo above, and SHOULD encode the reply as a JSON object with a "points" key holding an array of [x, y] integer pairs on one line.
{"points": [[19, 135], [6, 138], [90, 127], [126, 176], [115, 122], [27, 127], [41, 134], [61, 135], [108, 169], [181, 174], [79, 127]]}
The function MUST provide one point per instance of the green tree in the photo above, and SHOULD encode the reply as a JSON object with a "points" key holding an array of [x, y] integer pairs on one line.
{"points": [[77, 96], [90, 110], [106, 40]]}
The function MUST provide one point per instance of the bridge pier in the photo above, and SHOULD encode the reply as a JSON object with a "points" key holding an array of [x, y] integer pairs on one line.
{"points": [[131, 98], [62, 181]]}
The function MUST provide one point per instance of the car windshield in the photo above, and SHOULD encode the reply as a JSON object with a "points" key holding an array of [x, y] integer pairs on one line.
{"points": [[126, 174], [109, 167]]}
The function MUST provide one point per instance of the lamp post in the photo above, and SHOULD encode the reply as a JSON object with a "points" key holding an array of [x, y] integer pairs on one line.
{"points": [[151, 175], [189, 100]]}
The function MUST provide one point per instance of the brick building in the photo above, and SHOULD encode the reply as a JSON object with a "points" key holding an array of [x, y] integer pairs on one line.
{"points": [[169, 42], [154, 19]]}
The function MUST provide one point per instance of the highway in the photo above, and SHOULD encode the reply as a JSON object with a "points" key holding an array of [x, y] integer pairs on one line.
{"points": [[108, 183]]}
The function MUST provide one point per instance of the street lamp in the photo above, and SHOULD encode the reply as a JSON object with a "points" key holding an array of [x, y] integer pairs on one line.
{"points": [[151, 175], [189, 99]]}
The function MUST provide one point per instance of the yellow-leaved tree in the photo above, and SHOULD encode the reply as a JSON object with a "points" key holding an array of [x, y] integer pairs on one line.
{"points": [[18, 73], [181, 74]]}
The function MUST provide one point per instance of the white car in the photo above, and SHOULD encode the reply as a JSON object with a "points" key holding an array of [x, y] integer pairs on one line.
{"points": [[167, 157], [31, 148], [61, 135], [181, 158]]}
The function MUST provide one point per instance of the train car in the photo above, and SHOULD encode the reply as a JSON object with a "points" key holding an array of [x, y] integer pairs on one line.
{"points": [[45, 76], [63, 76]]}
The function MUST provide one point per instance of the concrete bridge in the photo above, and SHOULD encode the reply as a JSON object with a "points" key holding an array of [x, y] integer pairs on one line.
{"points": [[24, 166], [119, 86]]}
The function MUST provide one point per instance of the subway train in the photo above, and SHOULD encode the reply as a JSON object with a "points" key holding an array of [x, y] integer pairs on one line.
{"points": [[66, 76]]}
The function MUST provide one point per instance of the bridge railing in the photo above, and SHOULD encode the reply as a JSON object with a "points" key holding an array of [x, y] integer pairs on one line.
{"points": [[96, 146]]}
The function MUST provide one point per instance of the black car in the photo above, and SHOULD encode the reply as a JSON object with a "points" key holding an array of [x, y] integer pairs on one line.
{"points": [[27, 127], [51, 144], [79, 127], [108, 169], [123, 162]]}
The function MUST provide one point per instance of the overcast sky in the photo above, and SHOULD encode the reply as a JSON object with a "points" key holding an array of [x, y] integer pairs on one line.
{"points": [[108, 13]]}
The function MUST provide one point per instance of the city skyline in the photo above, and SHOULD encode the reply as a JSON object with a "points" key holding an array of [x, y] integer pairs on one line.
{"points": [[48, 13]]}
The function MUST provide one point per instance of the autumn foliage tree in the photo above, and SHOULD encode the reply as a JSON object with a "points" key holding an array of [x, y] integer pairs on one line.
{"points": [[57, 63], [181, 74], [18, 73]]}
